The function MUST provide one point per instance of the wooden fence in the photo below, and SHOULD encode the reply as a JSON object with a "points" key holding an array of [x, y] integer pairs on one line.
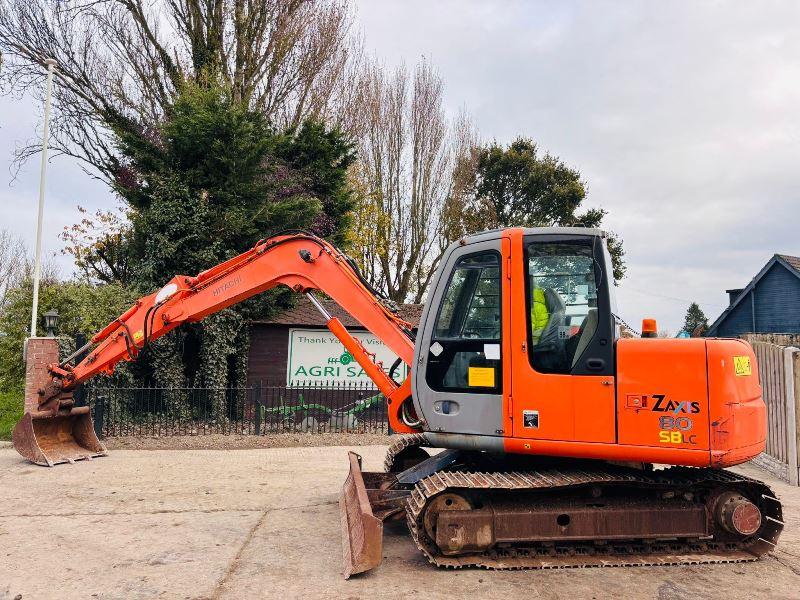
{"points": [[779, 371], [779, 339]]}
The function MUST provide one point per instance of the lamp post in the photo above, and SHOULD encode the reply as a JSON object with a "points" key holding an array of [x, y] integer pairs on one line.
{"points": [[37, 265], [51, 322]]}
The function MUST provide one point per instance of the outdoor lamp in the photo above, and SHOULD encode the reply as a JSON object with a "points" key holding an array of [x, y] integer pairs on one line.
{"points": [[51, 322]]}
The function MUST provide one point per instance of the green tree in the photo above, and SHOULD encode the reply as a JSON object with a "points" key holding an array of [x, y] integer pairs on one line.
{"points": [[215, 178], [82, 307], [206, 185], [695, 322], [517, 186]]}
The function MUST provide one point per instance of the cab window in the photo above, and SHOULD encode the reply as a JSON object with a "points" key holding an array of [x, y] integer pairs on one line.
{"points": [[562, 300], [471, 305], [465, 346]]}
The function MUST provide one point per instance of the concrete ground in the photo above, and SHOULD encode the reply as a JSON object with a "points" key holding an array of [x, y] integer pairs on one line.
{"points": [[265, 524]]}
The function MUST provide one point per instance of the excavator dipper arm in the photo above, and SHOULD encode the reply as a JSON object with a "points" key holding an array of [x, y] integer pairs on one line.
{"points": [[301, 261]]}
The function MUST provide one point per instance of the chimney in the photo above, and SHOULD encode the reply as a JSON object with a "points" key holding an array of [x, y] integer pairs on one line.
{"points": [[733, 295]]}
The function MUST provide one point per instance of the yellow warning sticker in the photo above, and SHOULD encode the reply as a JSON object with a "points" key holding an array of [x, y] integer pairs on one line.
{"points": [[138, 335], [741, 364], [481, 377]]}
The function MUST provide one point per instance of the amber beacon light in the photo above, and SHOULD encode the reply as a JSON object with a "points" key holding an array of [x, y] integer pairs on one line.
{"points": [[649, 328]]}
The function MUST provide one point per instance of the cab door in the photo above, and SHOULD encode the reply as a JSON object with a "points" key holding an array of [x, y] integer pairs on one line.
{"points": [[458, 378], [562, 339]]}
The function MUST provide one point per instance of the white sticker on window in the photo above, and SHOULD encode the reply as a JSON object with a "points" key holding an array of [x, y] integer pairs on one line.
{"points": [[563, 332], [491, 351], [436, 348]]}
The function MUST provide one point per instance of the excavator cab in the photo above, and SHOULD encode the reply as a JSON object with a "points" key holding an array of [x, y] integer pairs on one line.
{"points": [[528, 317]]}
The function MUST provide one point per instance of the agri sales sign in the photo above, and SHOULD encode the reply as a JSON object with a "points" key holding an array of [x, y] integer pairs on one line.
{"points": [[317, 357]]}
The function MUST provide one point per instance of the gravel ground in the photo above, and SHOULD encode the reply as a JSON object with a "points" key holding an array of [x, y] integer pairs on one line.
{"points": [[246, 442], [216, 525]]}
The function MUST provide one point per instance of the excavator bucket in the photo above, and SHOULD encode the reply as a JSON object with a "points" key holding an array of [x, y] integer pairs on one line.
{"points": [[362, 531], [48, 439]]}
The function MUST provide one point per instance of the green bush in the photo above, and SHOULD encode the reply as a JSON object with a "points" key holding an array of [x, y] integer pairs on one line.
{"points": [[10, 412], [82, 308]]}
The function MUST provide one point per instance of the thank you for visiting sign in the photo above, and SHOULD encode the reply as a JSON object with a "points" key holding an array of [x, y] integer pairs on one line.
{"points": [[316, 356]]}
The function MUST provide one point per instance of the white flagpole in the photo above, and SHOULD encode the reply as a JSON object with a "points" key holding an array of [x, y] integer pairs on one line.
{"points": [[37, 265]]}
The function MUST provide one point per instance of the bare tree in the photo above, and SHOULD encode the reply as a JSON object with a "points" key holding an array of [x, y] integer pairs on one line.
{"points": [[16, 265], [403, 178], [121, 62], [13, 255], [460, 215]]}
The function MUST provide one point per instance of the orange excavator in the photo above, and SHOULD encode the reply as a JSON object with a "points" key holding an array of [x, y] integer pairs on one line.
{"points": [[532, 427]]}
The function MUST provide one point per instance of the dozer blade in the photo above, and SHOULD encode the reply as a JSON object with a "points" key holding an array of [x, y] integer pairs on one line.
{"points": [[362, 531], [47, 439]]}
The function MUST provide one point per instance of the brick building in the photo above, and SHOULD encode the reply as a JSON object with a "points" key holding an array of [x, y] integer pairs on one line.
{"points": [[298, 338]]}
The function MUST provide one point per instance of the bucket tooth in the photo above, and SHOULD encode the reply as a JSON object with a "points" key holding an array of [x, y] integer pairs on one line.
{"points": [[362, 531], [48, 438]]}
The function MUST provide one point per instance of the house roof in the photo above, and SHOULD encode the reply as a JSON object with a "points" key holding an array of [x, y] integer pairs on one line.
{"points": [[305, 314], [792, 263]]}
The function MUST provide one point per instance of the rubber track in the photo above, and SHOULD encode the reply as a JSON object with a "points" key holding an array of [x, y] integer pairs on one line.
{"points": [[407, 441], [612, 554]]}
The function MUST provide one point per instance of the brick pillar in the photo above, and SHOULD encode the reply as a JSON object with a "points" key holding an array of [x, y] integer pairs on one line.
{"points": [[41, 352]]}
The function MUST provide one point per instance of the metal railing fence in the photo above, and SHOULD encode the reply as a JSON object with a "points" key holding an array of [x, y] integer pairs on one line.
{"points": [[257, 409]]}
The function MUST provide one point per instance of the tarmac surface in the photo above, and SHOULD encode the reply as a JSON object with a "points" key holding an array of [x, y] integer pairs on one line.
{"points": [[264, 523]]}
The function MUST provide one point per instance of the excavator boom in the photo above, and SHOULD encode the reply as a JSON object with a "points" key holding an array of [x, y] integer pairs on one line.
{"points": [[60, 432], [300, 261]]}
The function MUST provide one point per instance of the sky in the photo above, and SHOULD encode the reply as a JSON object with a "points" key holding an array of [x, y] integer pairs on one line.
{"points": [[683, 118]]}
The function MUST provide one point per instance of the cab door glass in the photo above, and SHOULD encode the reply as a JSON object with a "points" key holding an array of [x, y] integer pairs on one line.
{"points": [[562, 298], [465, 347]]}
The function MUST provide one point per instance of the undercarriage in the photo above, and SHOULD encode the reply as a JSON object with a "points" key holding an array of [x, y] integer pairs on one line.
{"points": [[473, 509]]}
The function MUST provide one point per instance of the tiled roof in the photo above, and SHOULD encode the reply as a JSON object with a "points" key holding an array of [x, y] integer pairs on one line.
{"points": [[794, 261], [305, 314]]}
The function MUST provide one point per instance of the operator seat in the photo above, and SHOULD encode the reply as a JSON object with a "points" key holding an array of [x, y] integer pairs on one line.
{"points": [[549, 352], [585, 335]]}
